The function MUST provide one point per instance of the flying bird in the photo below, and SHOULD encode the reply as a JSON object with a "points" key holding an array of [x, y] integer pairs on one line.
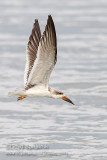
{"points": [[41, 56]]}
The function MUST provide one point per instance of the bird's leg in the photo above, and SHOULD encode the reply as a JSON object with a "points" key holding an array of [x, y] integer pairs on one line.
{"points": [[20, 98]]}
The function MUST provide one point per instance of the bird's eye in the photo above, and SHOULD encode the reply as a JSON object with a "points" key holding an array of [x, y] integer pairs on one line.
{"points": [[60, 93]]}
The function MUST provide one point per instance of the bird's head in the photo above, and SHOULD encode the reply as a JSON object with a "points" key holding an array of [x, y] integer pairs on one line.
{"points": [[59, 95]]}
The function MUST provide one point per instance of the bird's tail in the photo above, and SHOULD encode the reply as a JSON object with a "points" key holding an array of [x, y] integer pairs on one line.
{"points": [[17, 92]]}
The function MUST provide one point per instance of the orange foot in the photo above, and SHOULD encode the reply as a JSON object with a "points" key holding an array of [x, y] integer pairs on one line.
{"points": [[20, 98]]}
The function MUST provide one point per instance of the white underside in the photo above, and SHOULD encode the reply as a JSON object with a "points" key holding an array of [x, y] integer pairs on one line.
{"points": [[37, 91]]}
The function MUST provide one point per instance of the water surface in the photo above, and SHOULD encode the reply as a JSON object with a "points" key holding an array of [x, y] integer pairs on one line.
{"points": [[69, 132]]}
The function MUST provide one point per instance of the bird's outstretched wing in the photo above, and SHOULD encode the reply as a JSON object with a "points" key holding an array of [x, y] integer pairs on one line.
{"points": [[46, 56], [32, 48]]}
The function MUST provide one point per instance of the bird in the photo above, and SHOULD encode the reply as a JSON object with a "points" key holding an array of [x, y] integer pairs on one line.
{"points": [[41, 57]]}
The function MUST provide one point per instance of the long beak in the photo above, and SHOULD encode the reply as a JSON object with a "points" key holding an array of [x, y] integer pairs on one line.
{"points": [[67, 99]]}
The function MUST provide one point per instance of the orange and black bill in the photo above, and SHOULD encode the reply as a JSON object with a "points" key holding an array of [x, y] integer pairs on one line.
{"points": [[67, 99]]}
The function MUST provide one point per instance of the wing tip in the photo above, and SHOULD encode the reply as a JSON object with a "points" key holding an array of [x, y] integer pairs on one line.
{"points": [[50, 18], [36, 20]]}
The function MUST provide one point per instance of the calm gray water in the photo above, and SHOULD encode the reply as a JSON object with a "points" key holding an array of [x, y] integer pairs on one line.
{"points": [[48, 128]]}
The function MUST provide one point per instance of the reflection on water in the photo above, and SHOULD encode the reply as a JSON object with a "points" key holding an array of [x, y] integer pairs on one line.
{"points": [[70, 132]]}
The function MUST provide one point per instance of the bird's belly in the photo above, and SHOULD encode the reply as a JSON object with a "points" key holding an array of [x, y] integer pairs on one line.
{"points": [[37, 93]]}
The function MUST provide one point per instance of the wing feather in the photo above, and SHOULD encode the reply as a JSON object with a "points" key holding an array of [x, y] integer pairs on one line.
{"points": [[46, 56], [32, 47]]}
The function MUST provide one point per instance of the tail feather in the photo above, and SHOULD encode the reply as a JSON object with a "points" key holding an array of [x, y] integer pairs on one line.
{"points": [[11, 94], [17, 92]]}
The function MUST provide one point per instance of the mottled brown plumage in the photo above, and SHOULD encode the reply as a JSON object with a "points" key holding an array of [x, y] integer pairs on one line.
{"points": [[32, 48], [49, 37]]}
